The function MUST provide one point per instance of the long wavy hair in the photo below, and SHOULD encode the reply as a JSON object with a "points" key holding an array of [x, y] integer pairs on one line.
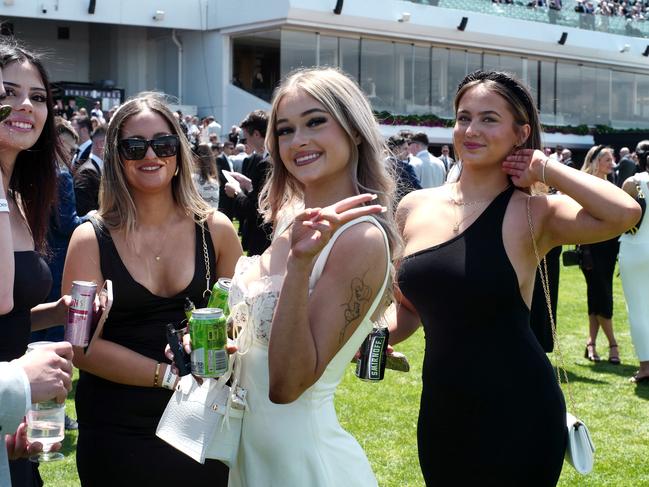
{"points": [[594, 154], [116, 205], [206, 164], [34, 180], [347, 104]]}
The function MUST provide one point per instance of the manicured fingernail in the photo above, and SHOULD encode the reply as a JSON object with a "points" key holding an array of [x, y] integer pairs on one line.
{"points": [[374, 196], [384, 209]]}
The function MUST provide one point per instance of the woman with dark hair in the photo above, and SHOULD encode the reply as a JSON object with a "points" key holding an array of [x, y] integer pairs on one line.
{"points": [[599, 267], [634, 269], [159, 243], [492, 412], [206, 177], [28, 155]]}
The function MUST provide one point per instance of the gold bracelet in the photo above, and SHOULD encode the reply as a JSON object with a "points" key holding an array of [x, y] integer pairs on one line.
{"points": [[157, 375], [543, 173]]}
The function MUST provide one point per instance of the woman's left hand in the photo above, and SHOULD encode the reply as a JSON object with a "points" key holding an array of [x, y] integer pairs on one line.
{"points": [[313, 227], [524, 167]]}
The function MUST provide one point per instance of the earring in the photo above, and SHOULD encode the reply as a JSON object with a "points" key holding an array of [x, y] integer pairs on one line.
{"points": [[176, 172]]}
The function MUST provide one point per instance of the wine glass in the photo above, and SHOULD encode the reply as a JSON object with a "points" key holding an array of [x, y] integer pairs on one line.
{"points": [[45, 423]]}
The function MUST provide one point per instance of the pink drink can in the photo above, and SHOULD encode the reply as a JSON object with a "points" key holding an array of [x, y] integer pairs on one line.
{"points": [[80, 313]]}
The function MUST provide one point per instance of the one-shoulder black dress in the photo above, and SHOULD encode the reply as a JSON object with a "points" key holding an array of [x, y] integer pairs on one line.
{"points": [[491, 412], [117, 444]]}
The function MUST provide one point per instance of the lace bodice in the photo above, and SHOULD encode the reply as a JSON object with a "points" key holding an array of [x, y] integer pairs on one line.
{"points": [[255, 300]]}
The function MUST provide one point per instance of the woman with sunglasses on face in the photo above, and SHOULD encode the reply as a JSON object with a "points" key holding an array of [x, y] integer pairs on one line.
{"points": [[307, 302], [492, 412], [28, 154], [157, 240], [598, 268]]}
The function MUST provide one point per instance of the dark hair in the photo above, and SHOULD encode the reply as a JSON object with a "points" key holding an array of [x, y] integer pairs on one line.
{"points": [[395, 141], [421, 138], [206, 163], [100, 131], [642, 151], [34, 174], [257, 120], [84, 122]]}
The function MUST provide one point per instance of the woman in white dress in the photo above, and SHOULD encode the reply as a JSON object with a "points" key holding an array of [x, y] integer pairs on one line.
{"points": [[634, 269], [307, 304]]}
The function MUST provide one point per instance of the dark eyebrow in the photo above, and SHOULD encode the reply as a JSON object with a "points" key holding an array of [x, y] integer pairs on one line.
{"points": [[37, 88], [303, 114], [486, 112]]}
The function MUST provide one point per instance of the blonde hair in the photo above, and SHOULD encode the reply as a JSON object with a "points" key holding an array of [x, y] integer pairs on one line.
{"points": [[116, 205], [591, 162], [347, 104]]}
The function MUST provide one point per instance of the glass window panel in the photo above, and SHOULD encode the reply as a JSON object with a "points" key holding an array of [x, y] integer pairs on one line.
{"points": [[603, 96], [512, 65], [350, 56], [531, 78], [421, 80], [256, 62], [547, 96], [457, 70], [440, 105], [403, 87], [642, 100], [568, 94], [473, 61], [622, 96], [328, 54], [298, 50], [378, 73], [491, 62], [587, 98]]}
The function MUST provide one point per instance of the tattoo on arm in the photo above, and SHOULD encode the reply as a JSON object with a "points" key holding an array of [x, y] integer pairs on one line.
{"points": [[360, 293]]}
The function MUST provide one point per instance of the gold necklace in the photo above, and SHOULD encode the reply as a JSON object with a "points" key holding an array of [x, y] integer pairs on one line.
{"points": [[163, 240], [456, 208]]}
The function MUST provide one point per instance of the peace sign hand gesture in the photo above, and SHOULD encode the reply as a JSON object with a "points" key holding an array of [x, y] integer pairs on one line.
{"points": [[313, 227]]}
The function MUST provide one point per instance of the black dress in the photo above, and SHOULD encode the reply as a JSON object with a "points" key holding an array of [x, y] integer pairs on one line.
{"points": [[491, 411], [32, 283], [599, 277], [117, 444]]}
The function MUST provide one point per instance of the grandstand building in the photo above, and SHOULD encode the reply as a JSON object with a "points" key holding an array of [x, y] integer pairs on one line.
{"points": [[224, 58]]}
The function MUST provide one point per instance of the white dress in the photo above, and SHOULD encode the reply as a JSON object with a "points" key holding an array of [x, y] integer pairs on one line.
{"points": [[634, 270], [300, 444]]}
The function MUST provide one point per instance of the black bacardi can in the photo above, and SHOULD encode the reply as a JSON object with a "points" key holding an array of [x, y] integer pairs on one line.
{"points": [[80, 313], [370, 366], [175, 332]]}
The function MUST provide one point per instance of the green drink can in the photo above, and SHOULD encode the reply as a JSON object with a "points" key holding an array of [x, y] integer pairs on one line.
{"points": [[207, 329], [220, 293]]}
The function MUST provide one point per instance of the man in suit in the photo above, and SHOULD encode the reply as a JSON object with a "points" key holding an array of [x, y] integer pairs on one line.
{"points": [[446, 158], [88, 175], [83, 127], [255, 234], [223, 164], [428, 168], [625, 168], [40, 375]]}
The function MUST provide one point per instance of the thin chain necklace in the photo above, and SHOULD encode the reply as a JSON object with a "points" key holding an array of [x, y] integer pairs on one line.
{"points": [[162, 236], [457, 204]]}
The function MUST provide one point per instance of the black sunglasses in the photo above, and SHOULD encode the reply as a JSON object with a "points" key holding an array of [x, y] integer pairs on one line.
{"points": [[163, 146], [5, 111]]}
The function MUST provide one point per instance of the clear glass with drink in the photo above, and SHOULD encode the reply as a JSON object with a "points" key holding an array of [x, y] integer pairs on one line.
{"points": [[45, 423]]}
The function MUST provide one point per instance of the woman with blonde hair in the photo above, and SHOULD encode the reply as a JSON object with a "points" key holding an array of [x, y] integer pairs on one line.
{"points": [[492, 412], [159, 243], [598, 267], [308, 301], [205, 177]]}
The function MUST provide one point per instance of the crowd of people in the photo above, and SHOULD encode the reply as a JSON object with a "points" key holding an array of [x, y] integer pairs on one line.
{"points": [[310, 183]]}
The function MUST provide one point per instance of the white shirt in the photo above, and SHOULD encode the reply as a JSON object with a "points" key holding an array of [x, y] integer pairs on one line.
{"points": [[429, 169]]}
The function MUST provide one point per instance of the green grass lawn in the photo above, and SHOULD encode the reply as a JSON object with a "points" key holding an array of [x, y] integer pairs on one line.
{"points": [[383, 416]]}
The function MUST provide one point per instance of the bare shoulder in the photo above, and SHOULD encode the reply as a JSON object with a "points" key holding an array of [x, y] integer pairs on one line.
{"points": [[218, 221], [84, 235], [419, 199], [360, 243]]}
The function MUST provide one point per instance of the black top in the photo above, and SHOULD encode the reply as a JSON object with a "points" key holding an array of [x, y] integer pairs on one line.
{"points": [[137, 321], [32, 283], [491, 409]]}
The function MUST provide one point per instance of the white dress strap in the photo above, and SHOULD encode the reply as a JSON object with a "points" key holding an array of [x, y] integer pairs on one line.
{"points": [[321, 260]]}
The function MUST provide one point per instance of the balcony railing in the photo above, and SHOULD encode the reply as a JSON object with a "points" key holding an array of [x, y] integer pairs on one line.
{"points": [[566, 16]]}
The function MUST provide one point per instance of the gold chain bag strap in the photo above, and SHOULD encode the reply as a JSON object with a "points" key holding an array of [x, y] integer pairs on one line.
{"points": [[580, 448], [208, 292]]}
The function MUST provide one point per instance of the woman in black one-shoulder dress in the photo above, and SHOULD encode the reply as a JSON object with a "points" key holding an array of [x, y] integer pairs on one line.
{"points": [[492, 412]]}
